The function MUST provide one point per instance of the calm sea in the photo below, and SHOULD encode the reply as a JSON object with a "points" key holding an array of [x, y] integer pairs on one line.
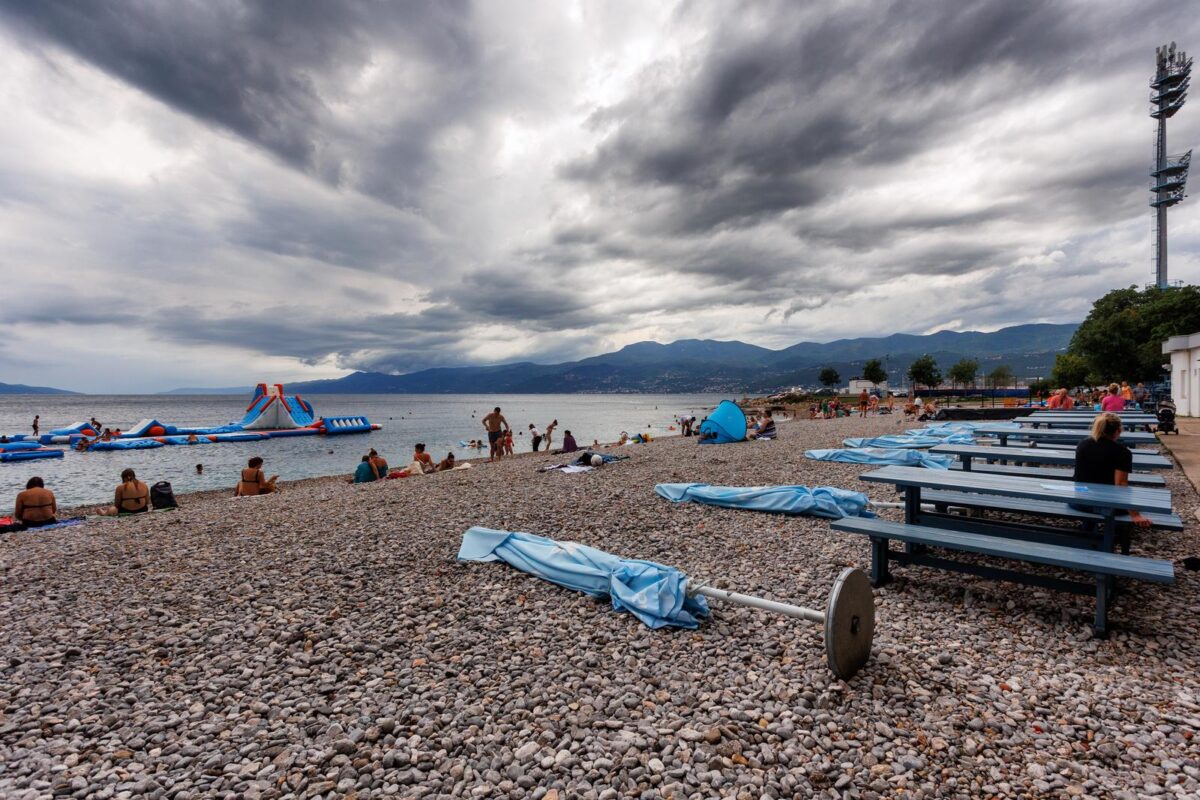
{"points": [[440, 421]]}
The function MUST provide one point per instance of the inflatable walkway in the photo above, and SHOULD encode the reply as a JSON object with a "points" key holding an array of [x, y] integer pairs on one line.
{"points": [[272, 414]]}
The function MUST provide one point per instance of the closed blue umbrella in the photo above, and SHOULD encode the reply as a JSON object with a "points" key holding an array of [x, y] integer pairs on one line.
{"points": [[655, 594]]}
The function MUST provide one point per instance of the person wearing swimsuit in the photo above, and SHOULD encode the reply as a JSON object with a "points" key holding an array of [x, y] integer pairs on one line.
{"points": [[132, 497], [254, 481], [36, 505]]}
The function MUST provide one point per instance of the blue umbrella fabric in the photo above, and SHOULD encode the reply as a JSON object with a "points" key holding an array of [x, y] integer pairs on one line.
{"points": [[655, 594], [909, 441], [824, 501], [879, 455]]}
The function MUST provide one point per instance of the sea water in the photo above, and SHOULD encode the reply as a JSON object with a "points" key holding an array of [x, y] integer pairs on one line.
{"points": [[440, 421]]}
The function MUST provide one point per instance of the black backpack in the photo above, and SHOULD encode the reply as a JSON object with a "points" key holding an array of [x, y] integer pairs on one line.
{"points": [[161, 495]]}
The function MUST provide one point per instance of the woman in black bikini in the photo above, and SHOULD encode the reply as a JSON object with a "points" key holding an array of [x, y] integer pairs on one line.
{"points": [[36, 505], [132, 497], [254, 480]]}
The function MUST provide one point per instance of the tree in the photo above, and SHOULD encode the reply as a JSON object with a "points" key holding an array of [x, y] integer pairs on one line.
{"points": [[1070, 370], [964, 372], [1122, 337], [829, 376], [1000, 376], [924, 372], [873, 372], [1040, 387]]}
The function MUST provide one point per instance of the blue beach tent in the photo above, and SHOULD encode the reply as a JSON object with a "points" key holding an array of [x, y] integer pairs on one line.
{"points": [[725, 424], [655, 594]]}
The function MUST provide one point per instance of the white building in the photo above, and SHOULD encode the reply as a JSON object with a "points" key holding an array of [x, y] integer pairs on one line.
{"points": [[1184, 352], [856, 386]]}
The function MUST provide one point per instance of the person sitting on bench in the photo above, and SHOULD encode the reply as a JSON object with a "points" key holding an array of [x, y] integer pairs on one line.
{"points": [[1100, 458]]}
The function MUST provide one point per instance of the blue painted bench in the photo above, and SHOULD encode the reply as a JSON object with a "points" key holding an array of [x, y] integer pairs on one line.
{"points": [[1052, 473], [1104, 567], [1039, 508]]}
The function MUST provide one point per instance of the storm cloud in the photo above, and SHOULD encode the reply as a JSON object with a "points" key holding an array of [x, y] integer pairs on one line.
{"points": [[311, 187]]}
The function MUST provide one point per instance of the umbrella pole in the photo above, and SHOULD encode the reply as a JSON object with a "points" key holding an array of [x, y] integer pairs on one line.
{"points": [[849, 618], [798, 612]]}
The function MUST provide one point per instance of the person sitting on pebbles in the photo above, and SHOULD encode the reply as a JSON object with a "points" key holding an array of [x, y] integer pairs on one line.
{"points": [[36, 505], [254, 481], [132, 497], [447, 463]]}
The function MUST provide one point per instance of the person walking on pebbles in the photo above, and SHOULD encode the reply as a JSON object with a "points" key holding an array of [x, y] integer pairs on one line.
{"points": [[495, 424], [549, 437]]}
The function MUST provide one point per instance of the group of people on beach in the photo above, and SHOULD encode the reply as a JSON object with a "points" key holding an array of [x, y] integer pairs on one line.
{"points": [[1114, 397], [869, 403], [500, 437], [374, 467]]}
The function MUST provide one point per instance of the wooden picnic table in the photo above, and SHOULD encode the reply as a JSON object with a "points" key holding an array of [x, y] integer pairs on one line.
{"points": [[1038, 455], [1071, 436]]}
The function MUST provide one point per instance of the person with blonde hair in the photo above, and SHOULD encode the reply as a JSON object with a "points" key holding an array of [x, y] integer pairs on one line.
{"points": [[1100, 458]]}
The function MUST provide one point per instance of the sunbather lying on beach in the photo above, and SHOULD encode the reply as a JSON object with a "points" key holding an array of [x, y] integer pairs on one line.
{"points": [[446, 463], [132, 497], [254, 481]]}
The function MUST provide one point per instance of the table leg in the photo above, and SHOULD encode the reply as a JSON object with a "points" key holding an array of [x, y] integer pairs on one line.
{"points": [[1100, 626], [1110, 529], [879, 562], [912, 515], [966, 462]]}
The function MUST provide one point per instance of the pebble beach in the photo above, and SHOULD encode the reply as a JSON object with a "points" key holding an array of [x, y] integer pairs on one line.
{"points": [[323, 642]]}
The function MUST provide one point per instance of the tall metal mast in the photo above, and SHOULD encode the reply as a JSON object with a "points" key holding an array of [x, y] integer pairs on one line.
{"points": [[1169, 178]]}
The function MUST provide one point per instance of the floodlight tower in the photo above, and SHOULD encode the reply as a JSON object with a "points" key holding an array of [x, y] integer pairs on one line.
{"points": [[1170, 85]]}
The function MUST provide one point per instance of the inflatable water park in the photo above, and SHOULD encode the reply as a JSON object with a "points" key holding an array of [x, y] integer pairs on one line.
{"points": [[272, 414]]}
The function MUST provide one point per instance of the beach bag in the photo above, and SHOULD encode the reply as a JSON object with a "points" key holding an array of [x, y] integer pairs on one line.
{"points": [[161, 495]]}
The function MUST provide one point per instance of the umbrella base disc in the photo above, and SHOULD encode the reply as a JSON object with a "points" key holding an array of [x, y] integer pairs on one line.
{"points": [[849, 623]]}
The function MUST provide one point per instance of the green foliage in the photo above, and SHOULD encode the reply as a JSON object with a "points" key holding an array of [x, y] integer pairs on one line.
{"points": [[1001, 377], [1041, 387], [1122, 337], [829, 376], [924, 372], [873, 371], [1070, 370], [963, 373]]}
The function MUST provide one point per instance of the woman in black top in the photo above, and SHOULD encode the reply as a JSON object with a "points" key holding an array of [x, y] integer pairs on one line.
{"points": [[1102, 459]]}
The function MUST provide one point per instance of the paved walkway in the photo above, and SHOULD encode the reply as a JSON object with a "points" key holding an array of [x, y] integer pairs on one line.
{"points": [[1185, 446]]}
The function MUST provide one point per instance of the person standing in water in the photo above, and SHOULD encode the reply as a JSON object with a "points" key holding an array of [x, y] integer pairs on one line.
{"points": [[495, 424]]}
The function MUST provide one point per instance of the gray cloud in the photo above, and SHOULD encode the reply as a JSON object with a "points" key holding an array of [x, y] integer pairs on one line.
{"points": [[409, 184]]}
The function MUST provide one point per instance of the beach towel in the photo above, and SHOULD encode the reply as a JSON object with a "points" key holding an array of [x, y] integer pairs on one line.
{"points": [[879, 455], [824, 501]]}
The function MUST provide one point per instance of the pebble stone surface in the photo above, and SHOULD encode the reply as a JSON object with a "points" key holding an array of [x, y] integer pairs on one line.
{"points": [[323, 642]]}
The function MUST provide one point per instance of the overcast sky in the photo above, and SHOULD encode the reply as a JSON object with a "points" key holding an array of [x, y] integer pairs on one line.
{"points": [[216, 192]]}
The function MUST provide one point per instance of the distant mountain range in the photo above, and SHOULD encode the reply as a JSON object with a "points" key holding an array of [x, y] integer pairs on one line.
{"points": [[20, 388], [704, 365]]}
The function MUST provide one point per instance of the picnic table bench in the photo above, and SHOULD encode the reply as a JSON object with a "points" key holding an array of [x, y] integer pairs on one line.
{"points": [[1104, 567], [1088, 551], [1070, 436], [996, 459], [1131, 421]]}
